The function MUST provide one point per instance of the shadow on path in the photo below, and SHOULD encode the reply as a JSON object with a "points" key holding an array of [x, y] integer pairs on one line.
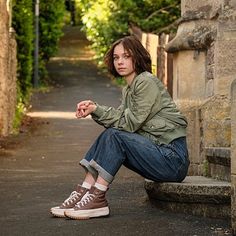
{"points": [[44, 169]]}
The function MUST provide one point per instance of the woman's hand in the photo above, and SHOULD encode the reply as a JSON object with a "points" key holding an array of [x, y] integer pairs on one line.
{"points": [[85, 108]]}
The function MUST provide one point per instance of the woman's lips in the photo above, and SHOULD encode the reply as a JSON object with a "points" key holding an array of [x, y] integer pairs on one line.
{"points": [[120, 69]]}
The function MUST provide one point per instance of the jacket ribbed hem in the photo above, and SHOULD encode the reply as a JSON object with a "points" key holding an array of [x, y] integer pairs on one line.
{"points": [[168, 137]]}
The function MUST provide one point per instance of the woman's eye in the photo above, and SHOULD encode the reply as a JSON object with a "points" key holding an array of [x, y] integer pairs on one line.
{"points": [[115, 58], [126, 56]]}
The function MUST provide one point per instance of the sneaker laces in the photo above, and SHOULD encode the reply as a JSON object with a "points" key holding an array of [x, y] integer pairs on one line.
{"points": [[73, 197], [86, 200]]}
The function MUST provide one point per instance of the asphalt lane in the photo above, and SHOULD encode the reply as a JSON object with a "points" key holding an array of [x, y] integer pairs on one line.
{"points": [[39, 167]]}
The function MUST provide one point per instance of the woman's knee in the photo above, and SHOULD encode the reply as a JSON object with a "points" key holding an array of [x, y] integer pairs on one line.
{"points": [[111, 132]]}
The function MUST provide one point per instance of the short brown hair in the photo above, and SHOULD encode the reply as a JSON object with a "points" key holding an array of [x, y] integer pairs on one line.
{"points": [[140, 56]]}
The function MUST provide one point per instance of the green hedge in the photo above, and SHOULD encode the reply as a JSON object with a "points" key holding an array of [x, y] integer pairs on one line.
{"points": [[22, 22], [51, 21], [50, 25]]}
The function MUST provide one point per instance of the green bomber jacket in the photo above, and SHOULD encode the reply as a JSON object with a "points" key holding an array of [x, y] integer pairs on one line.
{"points": [[146, 109]]}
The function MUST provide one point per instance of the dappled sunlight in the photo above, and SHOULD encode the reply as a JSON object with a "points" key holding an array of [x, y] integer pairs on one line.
{"points": [[55, 114], [85, 58]]}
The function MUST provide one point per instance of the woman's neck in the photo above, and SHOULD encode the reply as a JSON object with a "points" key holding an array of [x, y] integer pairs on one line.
{"points": [[129, 78]]}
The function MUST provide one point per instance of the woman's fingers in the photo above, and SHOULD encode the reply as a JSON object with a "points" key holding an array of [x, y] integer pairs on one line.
{"points": [[84, 108], [84, 104], [79, 113]]}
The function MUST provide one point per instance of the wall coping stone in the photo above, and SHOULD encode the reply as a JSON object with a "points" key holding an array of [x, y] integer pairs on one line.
{"points": [[218, 155], [192, 190]]}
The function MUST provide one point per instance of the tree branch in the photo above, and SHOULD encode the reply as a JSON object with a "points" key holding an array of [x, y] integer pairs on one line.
{"points": [[160, 10]]}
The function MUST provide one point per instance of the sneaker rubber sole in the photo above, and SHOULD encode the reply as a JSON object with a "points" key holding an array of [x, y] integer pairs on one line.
{"points": [[58, 212], [87, 214]]}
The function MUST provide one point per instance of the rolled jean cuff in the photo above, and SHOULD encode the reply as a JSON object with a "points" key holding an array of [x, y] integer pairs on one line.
{"points": [[84, 163], [101, 172]]}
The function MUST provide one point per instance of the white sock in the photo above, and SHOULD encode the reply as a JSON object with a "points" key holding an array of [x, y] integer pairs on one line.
{"points": [[101, 187], [86, 185]]}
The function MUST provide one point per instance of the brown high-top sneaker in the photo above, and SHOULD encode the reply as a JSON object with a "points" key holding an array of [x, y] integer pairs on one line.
{"points": [[70, 202], [93, 205]]}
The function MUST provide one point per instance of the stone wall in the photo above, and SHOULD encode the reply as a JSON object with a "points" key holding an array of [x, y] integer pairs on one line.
{"points": [[233, 157], [7, 71], [204, 67]]}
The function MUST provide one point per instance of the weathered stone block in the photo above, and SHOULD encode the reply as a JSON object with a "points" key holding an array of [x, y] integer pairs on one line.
{"points": [[210, 84], [233, 155], [233, 128], [233, 203], [197, 195], [193, 135], [7, 72], [216, 122], [218, 163], [4, 17], [203, 8], [189, 76], [194, 35], [225, 68]]}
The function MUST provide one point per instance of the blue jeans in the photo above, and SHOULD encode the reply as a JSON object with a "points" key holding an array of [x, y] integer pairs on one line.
{"points": [[114, 148]]}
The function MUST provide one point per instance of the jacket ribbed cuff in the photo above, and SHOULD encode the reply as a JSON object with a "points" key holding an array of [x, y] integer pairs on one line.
{"points": [[99, 111]]}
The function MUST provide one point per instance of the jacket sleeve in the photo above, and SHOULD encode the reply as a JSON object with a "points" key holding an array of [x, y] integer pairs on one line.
{"points": [[108, 116], [131, 118]]}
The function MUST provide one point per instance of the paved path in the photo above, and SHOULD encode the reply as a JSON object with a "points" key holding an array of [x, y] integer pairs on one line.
{"points": [[38, 169]]}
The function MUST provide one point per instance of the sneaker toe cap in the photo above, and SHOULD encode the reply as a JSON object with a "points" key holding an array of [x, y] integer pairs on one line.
{"points": [[57, 211]]}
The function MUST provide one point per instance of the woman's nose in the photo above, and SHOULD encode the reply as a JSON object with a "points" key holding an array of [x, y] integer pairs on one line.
{"points": [[120, 60]]}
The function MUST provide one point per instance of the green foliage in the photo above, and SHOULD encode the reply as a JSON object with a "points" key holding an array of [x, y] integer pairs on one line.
{"points": [[50, 27], [104, 21], [51, 21], [120, 81], [22, 22], [156, 14], [95, 19], [206, 168], [20, 111]]}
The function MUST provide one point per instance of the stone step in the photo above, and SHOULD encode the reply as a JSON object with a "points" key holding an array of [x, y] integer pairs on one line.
{"points": [[196, 195], [218, 159]]}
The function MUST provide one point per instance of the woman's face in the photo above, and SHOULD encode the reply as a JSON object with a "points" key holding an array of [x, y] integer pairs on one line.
{"points": [[123, 62]]}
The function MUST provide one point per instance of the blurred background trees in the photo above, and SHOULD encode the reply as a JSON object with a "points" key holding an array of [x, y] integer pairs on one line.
{"points": [[104, 21], [51, 21]]}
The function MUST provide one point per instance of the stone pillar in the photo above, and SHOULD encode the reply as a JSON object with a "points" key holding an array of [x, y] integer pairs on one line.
{"points": [[11, 80], [193, 73], [233, 156], [4, 38], [7, 71], [225, 48], [204, 51]]}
